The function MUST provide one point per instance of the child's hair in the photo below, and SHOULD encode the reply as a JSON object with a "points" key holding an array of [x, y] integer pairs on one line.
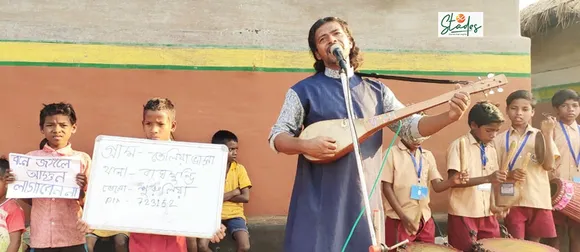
{"points": [[223, 136], [42, 143], [4, 165], [521, 94], [484, 113], [160, 104], [563, 95], [60, 108]]}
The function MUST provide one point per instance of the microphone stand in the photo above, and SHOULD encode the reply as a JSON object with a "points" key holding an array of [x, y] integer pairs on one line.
{"points": [[357, 153], [350, 114]]}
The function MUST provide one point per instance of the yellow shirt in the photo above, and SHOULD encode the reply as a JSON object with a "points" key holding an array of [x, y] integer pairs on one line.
{"points": [[237, 177], [401, 172], [536, 188], [474, 201]]}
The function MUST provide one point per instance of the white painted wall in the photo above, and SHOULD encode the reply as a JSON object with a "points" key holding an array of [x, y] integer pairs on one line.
{"points": [[556, 57], [282, 24]]}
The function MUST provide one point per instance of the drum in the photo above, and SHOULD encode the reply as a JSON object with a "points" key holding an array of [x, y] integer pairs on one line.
{"points": [[424, 247], [565, 199], [510, 245]]}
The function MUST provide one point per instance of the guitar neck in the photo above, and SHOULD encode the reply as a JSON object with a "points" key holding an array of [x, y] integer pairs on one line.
{"points": [[380, 121], [393, 116]]}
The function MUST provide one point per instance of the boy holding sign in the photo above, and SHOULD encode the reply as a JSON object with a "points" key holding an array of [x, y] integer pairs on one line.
{"points": [[53, 220], [158, 124]]}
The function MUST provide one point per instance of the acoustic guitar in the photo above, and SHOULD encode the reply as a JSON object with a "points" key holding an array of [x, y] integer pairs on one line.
{"points": [[339, 129]]}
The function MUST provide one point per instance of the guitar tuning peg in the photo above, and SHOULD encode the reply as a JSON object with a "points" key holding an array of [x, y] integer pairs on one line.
{"points": [[499, 89], [490, 75], [491, 92]]}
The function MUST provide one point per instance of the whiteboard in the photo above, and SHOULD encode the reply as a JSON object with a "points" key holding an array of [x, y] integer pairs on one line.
{"points": [[156, 187]]}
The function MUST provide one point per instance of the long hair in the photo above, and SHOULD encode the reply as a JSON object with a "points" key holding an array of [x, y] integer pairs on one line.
{"points": [[354, 56]]}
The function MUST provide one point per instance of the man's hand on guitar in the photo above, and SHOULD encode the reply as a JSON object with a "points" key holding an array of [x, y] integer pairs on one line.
{"points": [[458, 104], [320, 147]]}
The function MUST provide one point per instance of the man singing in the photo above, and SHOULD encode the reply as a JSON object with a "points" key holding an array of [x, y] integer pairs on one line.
{"points": [[327, 198]]}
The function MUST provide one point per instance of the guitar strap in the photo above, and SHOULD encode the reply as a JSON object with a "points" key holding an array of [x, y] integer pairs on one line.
{"points": [[411, 79]]}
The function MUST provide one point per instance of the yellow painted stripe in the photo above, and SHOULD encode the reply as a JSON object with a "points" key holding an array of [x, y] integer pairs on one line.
{"points": [[544, 94], [225, 57]]}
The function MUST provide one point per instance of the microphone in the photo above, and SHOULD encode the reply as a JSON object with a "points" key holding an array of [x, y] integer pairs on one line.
{"points": [[336, 50]]}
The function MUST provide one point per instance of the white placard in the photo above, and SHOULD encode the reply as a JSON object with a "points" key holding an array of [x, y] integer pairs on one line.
{"points": [[44, 177], [460, 24], [156, 187]]}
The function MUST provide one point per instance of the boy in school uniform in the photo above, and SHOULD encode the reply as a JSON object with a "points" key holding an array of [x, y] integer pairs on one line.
{"points": [[53, 221], [11, 215], [237, 193], [470, 217], [531, 217], [567, 139], [158, 124], [405, 185]]}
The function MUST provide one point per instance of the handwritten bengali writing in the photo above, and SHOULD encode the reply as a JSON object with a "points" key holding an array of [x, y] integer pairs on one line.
{"points": [[187, 176], [119, 171], [145, 202], [168, 189], [173, 155], [118, 150], [20, 160], [148, 194], [167, 195], [41, 190], [112, 200], [156, 202], [138, 182], [48, 162], [114, 188], [54, 176], [44, 177]]}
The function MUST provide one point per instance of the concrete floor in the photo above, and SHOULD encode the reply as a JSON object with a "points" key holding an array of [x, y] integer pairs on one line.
{"points": [[267, 235]]}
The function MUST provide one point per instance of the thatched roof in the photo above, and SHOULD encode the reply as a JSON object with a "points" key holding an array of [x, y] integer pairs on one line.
{"points": [[545, 14]]}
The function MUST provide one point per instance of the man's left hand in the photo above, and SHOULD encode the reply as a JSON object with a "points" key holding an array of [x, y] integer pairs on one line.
{"points": [[458, 104]]}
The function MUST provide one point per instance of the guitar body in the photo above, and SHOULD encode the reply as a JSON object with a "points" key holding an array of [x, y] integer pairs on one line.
{"points": [[339, 129]]}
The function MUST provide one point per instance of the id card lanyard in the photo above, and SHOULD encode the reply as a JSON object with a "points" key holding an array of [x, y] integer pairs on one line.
{"points": [[419, 168], [483, 155], [575, 156], [507, 147]]}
